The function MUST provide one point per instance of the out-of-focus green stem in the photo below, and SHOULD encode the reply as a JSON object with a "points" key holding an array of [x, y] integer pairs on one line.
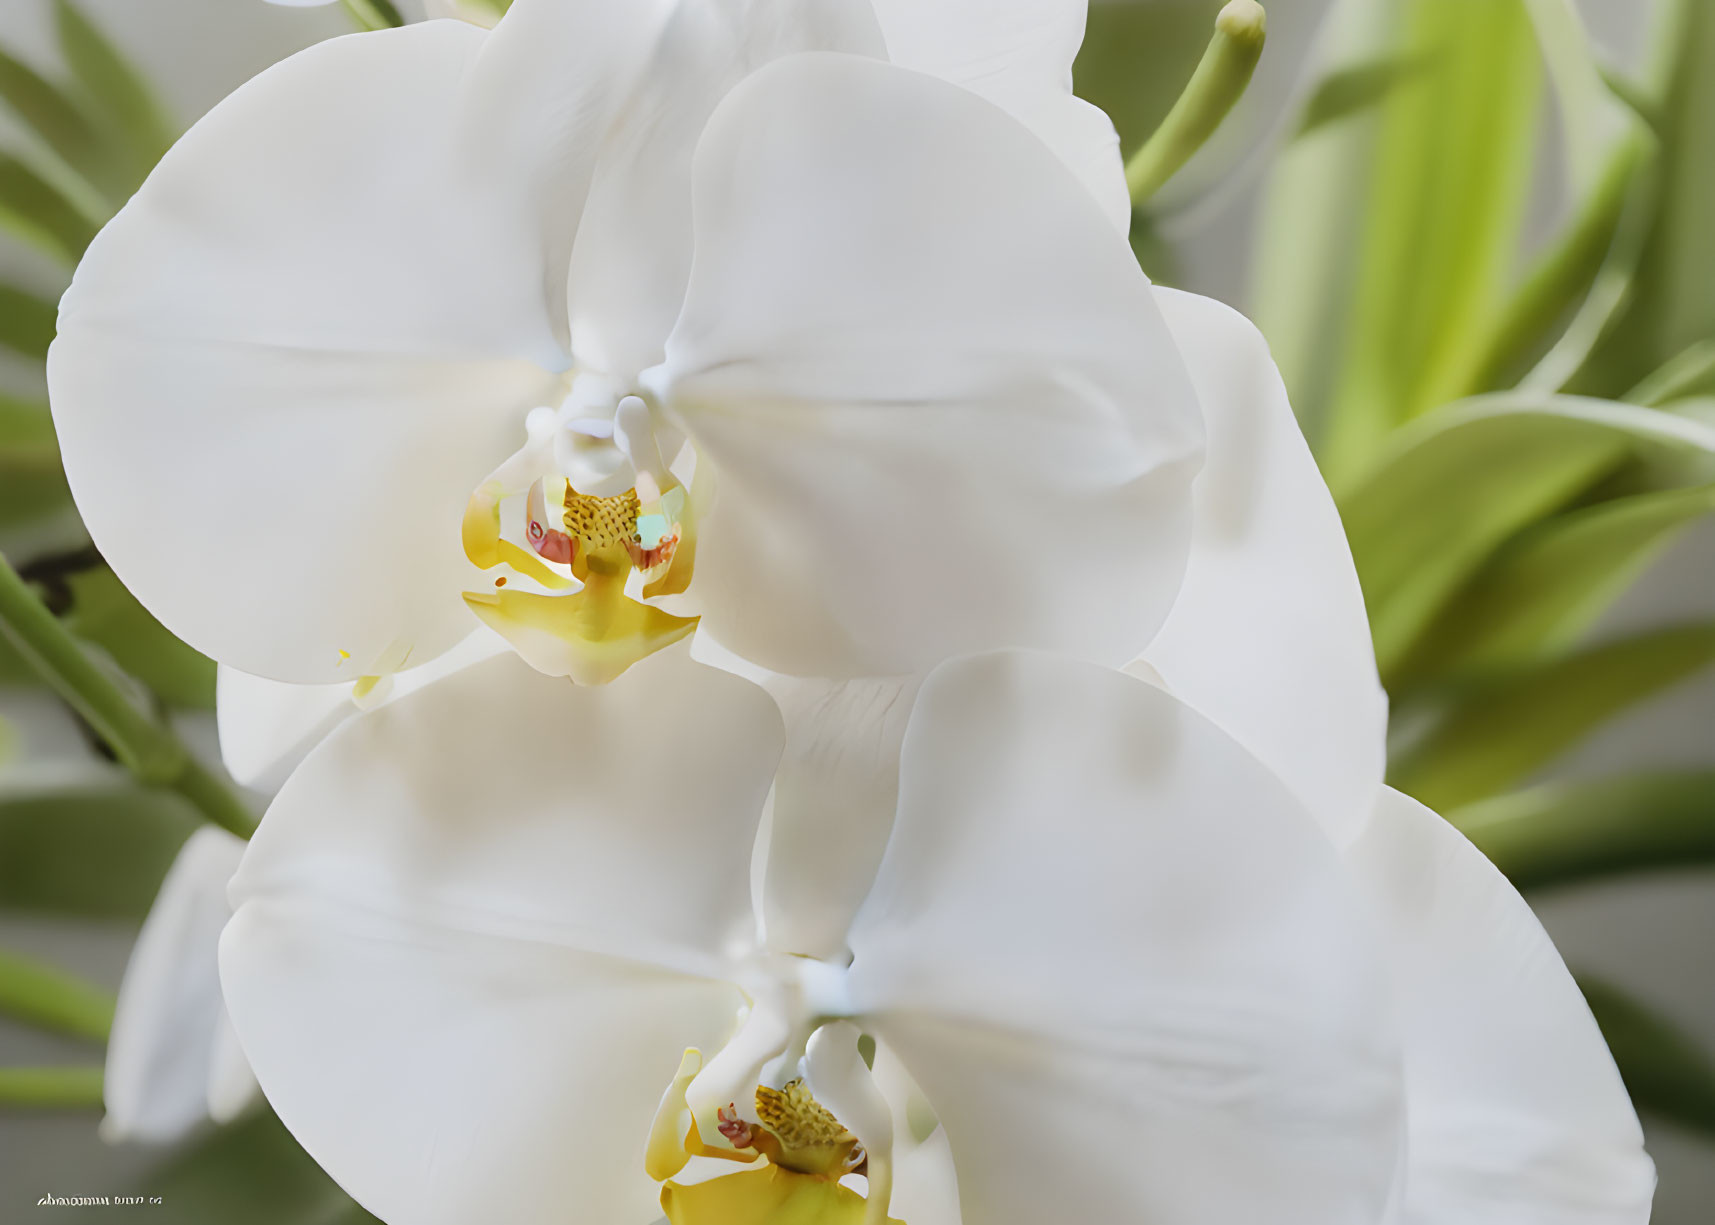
{"points": [[142, 743], [48, 998], [374, 14], [1690, 373], [1218, 83], [54, 1088], [1563, 273]]}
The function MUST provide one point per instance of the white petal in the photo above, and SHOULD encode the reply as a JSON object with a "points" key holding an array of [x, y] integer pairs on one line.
{"points": [[942, 408], [551, 82], [617, 818], [1124, 965], [1268, 636], [232, 1085], [1517, 1115], [1018, 54], [633, 252], [443, 1077], [267, 727], [283, 368], [167, 1024], [475, 930]]}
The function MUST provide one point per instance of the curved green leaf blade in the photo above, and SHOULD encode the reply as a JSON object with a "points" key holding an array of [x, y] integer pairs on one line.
{"points": [[95, 849], [1665, 1070], [1451, 178], [1689, 373], [1445, 493], [1546, 586], [1564, 833], [39, 213], [1671, 303], [1495, 736], [1352, 89], [27, 323], [117, 92]]}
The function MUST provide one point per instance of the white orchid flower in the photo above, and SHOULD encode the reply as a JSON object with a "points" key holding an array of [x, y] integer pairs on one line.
{"points": [[1267, 637], [172, 1059], [426, 297], [1131, 977]]}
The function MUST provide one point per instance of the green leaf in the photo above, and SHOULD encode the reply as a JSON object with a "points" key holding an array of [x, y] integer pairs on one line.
{"points": [[1432, 174], [26, 432], [374, 14], [1355, 88], [1495, 736], [26, 323], [252, 1171], [1690, 373], [95, 849], [105, 613], [1671, 303], [56, 120], [39, 213], [1315, 199], [116, 91], [1607, 147], [1450, 180], [1564, 833], [49, 998], [1667, 1073], [1549, 584], [1445, 493]]}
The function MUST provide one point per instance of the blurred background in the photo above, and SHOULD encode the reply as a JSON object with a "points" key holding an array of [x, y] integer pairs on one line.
{"points": [[1476, 233]]}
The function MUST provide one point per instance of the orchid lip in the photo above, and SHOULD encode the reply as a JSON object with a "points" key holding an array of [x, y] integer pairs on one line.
{"points": [[598, 505]]}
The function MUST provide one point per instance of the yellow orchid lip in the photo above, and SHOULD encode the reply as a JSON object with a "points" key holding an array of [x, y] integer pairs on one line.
{"points": [[806, 1152], [590, 633]]}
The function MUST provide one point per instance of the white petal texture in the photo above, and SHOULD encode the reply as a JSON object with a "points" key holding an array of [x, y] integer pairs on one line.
{"points": [[942, 407], [282, 369], [633, 251], [169, 1063], [1517, 1113], [1268, 635], [1017, 54], [267, 727], [1123, 964], [475, 931]]}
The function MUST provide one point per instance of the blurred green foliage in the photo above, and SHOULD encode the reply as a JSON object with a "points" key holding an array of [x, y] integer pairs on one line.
{"points": [[1514, 432]]}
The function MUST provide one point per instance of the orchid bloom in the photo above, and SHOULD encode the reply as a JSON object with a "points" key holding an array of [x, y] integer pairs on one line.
{"points": [[1109, 964], [172, 1058], [620, 315]]}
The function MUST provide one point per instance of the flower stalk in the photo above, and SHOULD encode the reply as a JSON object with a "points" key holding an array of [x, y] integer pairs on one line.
{"points": [[61, 1087], [47, 998], [1215, 87], [142, 743]]}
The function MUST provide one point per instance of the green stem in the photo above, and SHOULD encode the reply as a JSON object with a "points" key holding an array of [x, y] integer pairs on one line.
{"points": [[374, 14], [64, 1088], [1218, 83], [48, 998], [143, 745]]}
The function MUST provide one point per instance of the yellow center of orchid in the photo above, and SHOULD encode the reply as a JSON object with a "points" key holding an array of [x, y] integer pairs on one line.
{"points": [[561, 596], [804, 1151]]}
